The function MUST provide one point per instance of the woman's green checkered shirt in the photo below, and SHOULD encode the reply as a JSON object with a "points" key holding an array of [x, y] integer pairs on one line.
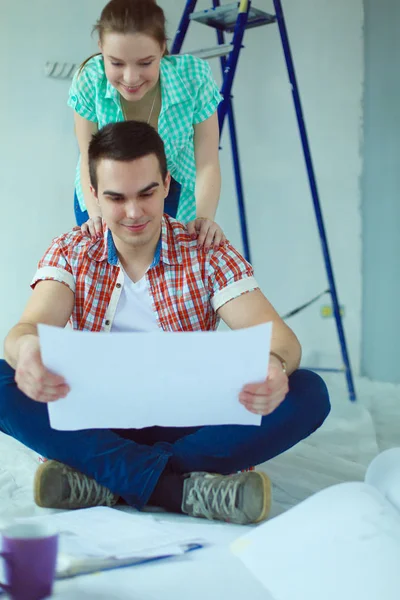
{"points": [[189, 96]]}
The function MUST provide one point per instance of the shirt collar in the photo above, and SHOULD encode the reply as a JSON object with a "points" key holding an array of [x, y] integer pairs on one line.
{"points": [[167, 250], [170, 249]]}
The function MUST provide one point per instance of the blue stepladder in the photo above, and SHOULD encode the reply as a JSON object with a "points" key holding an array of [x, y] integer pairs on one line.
{"points": [[235, 18]]}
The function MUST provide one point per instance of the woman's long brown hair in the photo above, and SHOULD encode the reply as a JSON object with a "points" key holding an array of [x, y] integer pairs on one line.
{"points": [[131, 16]]}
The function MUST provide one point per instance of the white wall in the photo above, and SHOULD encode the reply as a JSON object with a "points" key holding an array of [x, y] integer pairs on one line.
{"points": [[38, 158], [37, 151]]}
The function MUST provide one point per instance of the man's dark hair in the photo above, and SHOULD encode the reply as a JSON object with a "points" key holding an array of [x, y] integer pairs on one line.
{"points": [[125, 141]]}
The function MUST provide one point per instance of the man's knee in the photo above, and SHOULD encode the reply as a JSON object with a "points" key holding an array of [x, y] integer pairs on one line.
{"points": [[312, 392]]}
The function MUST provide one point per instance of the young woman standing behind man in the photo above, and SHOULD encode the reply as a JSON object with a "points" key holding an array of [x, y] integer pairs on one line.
{"points": [[133, 78]]}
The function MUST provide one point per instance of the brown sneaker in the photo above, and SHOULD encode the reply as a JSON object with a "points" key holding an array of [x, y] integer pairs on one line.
{"points": [[59, 486], [242, 498]]}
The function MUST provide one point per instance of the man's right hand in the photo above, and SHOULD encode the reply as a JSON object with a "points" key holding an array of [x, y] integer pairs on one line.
{"points": [[31, 375]]}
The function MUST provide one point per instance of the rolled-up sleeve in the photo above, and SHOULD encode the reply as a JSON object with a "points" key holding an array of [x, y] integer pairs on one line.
{"points": [[230, 276], [54, 266], [82, 94], [208, 96]]}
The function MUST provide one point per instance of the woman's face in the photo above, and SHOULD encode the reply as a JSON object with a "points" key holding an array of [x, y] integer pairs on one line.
{"points": [[132, 63]]}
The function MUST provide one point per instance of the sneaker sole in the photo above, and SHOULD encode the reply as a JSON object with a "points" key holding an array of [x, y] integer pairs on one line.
{"points": [[267, 496], [36, 483]]}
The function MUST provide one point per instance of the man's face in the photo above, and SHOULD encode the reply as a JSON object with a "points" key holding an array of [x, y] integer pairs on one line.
{"points": [[131, 198]]}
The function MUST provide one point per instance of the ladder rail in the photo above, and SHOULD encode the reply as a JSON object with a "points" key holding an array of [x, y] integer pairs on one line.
{"points": [[232, 61], [183, 27], [314, 193], [235, 154], [239, 184]]}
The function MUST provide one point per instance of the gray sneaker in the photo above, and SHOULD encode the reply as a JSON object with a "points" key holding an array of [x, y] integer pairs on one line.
{"points": [[59, 486], [242, 498]]}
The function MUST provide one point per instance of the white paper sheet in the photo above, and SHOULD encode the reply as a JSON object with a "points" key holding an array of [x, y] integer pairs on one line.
{"points": [[135, 380], [102, 532], [341, 544]]}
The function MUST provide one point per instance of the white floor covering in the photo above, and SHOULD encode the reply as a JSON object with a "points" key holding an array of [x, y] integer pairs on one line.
{"points": [[340, 451]]}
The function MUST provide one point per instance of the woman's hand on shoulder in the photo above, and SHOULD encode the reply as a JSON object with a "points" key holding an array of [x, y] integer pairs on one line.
{"points": [[208, 233], [93, 227]]}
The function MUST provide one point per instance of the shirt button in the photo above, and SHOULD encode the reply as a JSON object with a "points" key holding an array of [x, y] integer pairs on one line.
{"points": [[118, 285], [107, 322]]}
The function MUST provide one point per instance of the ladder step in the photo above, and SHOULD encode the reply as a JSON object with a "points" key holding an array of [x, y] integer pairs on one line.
{"points": [[224, 17], [221, 50]]}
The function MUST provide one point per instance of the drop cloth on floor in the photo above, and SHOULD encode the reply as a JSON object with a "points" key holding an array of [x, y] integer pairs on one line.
{"points": [[340, 451]]}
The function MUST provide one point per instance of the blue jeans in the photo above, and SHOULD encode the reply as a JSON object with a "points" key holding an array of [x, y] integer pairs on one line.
{"points": [[170, 207], [81, 216], [130, 461]]}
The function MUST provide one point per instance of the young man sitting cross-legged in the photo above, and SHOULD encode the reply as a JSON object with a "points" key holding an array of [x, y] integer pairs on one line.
{"points": [[145, 273]]}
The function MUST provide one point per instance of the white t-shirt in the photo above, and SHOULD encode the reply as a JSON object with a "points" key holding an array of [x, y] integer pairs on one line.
{"points": [[135, 310]]}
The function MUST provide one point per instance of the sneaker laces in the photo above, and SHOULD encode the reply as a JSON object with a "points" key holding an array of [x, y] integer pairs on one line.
{"points": [[211, 498], [85, 490]]}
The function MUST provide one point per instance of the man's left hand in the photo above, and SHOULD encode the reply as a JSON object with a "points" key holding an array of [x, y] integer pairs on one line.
{"points": [[264, 398], [208, 233]]}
